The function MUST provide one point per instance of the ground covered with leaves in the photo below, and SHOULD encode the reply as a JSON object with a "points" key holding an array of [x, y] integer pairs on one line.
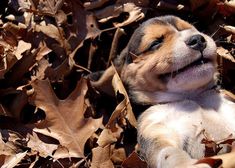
{"points": [[50, 113]]}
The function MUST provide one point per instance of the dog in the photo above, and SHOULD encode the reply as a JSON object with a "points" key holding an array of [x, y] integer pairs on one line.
{"points": [[171, 66]]}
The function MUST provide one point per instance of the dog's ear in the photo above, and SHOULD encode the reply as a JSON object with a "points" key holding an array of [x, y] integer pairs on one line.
{"points": [[126, 57], [122, 59], [102, 81]]}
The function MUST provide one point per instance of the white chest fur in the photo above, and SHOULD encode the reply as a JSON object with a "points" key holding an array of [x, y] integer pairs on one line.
{"points": [[193, 125]]}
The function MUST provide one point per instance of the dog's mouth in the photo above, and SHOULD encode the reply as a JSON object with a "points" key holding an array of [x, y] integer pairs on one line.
{"points": [[197, 63]]}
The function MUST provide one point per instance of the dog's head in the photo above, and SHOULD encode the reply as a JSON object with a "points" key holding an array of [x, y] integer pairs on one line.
{"points": [[167, 54]]}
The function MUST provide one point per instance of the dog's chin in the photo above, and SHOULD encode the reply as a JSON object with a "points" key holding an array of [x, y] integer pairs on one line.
{"points": [[192, 77]]}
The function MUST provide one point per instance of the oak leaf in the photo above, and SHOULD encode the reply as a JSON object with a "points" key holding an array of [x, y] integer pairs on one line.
{"points": [[13, 160], [65, 118], [43, 149], [21, 48], [134, 161], [101, 157], [123, 109]]}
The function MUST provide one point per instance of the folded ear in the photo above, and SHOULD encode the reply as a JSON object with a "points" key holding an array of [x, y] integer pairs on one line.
{"points": [[126, 57], [122, 59], [102, 81]]}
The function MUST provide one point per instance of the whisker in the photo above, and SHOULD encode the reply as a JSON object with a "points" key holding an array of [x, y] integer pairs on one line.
{"points": [[216, 31]]}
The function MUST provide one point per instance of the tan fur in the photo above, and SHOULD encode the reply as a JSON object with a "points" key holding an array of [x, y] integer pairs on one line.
{"points": [[142, 74], [185, 109], [150, 34], [181, 24]]}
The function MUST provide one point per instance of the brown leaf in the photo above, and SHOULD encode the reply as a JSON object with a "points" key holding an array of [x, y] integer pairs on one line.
{"points": [[39, 71], [134, 161], [12, 161], [204, 9], [13, 32], [163, 5], [44, 149], [94, 4], [84, 26], [225, 54], [214, 163], [226, 7], [50, 7], [230, 29], [118, 156], [17, 72], [24, 4], [60, 71], [101, 157], [123, 109], [65, 118], [10, 48], [108, 137], [21, 48], [7, 148], [61, 17], [51, 31], [3, 63], [43, 50], [135, 13]]}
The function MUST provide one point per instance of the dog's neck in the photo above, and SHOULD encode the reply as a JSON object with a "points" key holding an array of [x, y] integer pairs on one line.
{"points": [[160, 97]]}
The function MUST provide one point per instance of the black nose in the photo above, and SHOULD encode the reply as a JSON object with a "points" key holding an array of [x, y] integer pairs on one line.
{"points": [[196, 42]]}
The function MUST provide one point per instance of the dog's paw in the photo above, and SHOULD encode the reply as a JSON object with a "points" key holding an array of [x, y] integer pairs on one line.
{"points": [[202, 165], [193, 165]]}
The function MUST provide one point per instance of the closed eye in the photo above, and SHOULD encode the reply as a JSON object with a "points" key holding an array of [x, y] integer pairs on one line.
{"points": [[156, 44]]}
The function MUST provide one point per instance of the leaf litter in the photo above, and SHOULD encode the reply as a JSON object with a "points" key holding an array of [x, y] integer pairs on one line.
{"points": [[51, 113]]}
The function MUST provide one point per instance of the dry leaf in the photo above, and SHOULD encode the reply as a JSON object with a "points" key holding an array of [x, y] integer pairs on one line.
{"points": [[39, 71], [164, 5], [225, 54], [61, 17], [226, 7], [134, 161], [84, 26], [58, 73], [123, 109], [230, 29], [65, 118], [135, 13], [94, 4], [43, 50], [7, 148], [101, 157], [204, 8], [108, 137], [49, 7], [21, 48], [51, 31], [12, 161], [40, 147], [118, 156]]}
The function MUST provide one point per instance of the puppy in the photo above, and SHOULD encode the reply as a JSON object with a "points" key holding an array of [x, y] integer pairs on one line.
{"points": [[171, 66]]}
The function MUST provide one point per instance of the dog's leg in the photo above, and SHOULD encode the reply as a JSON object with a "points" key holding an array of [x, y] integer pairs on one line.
{"points": [[162, 147]]}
